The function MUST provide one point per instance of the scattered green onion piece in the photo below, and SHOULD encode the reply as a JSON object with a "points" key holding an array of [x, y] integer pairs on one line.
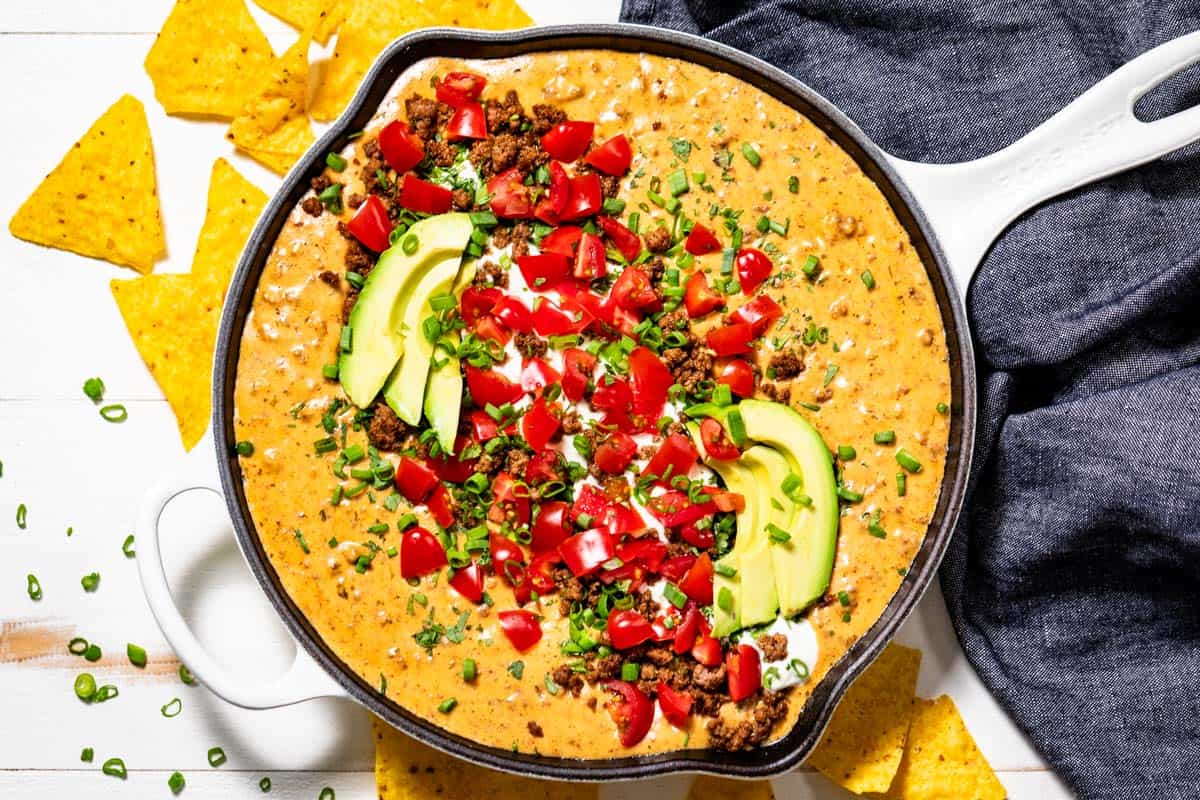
{"points": [[901, 484], [751, 155], [630, 672], [90, 582], [868, 279], [114, 413], [410, 244], [176, 782], [137, 655], [725, 599], [794, 184], [885, 437], [810, 266], [335, 162], [737, 427], [114, 767], [85, 686], [22, 513], [173, 708], [264, 785], [447, 705], [77, 646], [846, 453], [216, 757], [905, 459], [330, 371], [777, 534], [724, 570], [327, 794], [105, 693], [94, 389], [469, 670], [92, 653], [674, 596], [127, 547], [87, 754], [677, 182], [849, 495], [943, 409], [346, 339], [244, 448], [186, 676], [33, 586], [830, 372]]}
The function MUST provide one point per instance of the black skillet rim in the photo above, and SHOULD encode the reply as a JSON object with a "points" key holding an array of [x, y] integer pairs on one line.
{"points": [[791, 749]]}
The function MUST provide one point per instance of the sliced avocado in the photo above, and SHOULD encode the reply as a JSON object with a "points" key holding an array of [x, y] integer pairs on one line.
{"points": [[803, 565], [405, 389], [760, 599], [443, 392], [737, 479], [377, 340]]}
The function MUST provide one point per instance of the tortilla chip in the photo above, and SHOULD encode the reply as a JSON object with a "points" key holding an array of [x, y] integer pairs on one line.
{"points": [[101, 200], [173, 318], [405, 769], [319, 16], [272, 127], [708, 787], [370, 25], [864, 743], [208, 57], [941, 760]]}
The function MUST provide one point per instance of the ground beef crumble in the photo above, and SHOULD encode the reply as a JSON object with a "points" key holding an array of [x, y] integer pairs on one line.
{"points": [[754, 728], [531, 346], [658, 240], [387, 431], [774, 646], [786, 365]]}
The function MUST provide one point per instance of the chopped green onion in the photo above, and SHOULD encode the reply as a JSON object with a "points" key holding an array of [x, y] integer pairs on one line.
{"points": [[105, 693], [186, 676], [22, 513], [173, 708], [830, 372], [94, 389], [326, 794], [849, 495], [725, 599], [901, 484], [33, 587], [516, 669], [77, 646], [447, 705], [90, 582], [469, 670], [846, 453], [724, 570], [737, 427], [114, 413], [244, 448], [410, 244], [613, 206], [904, 459], [331, 198], [677, 182], [92, 653], [85, 686], [114, 767], [137, 655], [751, 155], [868, 279], [777, 534], [810, 266], [794, 184], [335, 162], [885, 437], [943, 409], [630, 672], [176, 782], [87, 754], [216, 757], [346, 339], [264, 785], [674, 596]]}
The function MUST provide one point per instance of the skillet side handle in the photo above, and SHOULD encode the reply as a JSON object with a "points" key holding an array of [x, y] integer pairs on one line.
{"points": [[1097, 135], [304, 680]]}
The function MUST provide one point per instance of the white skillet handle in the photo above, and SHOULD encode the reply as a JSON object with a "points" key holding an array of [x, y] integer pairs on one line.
{"points": [[970, 204], [304, 680]]}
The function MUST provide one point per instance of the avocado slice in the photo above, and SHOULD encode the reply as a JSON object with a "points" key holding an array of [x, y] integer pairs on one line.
{"points": [[443, 392], [760, 598], [377, 340], [737, 479], [802, 565], [405, 389]]}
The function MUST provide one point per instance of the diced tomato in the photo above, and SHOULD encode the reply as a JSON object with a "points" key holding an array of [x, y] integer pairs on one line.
{"points": [[455, 468], [578, 366], [420, 553], [628, 629], [568, 140], [633, 713], [402, 148], [676, 456], [744, 670], [753, 267], [555, 319], [674, 568], [716, 443], [550, 207], [544, 270], [414, 480], [697, 537], [634, 573], [370, 224], [457, 88], [521, 627], [584, 199], [698, 582], [673, 508], [509, 497], [541, 572], [551, 527], [686, 631], [738, 375], [513, 314], [439, 506], [468, 582], [506, 556], [537, 375], [585, 552], [510, 195], [706, 649], [730, 340], [649, 551], [676, 706], [612, 395], [726, 501], [612, 157], [423, 196], [699, 298], [701, 241], [619, 519], [649, 381], [488, 327], [591, 260], [476, 302], [759, 314], [562, 241], [590, 502], [469, 122], [539, 424], [628, 244], [489, 386], [542, 467], [615, 454], [632, 291], [483, 427]]}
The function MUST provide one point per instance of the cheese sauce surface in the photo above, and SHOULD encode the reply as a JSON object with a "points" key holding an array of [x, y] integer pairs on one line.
{"points": [[878, 363]]}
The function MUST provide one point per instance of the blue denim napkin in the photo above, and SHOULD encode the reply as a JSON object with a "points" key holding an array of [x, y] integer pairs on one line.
{"points": [[1074, 577]]}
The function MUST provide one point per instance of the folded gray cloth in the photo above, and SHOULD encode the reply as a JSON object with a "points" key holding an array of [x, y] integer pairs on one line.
{"points": [[1074, 577]]}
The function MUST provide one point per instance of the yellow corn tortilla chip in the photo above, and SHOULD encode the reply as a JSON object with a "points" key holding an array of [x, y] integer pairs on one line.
{"points": [[405, 769], [864, 743], [173, 318], [319, 16], [208, 57], [272, 127], [101, 200], [708, 787], [941, 760], [370, 25]]}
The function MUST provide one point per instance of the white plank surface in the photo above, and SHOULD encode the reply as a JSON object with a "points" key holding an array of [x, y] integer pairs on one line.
{"points": [[64, 62]]}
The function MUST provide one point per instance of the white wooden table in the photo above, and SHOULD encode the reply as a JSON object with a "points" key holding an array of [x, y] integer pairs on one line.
{"points": [[62, 62]]}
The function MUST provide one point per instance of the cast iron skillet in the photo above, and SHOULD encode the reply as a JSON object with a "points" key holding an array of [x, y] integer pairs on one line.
{"points": [[952, 214]]}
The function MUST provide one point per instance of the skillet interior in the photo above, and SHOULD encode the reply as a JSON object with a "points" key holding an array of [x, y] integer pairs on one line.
{"points": [[792, 748]]}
